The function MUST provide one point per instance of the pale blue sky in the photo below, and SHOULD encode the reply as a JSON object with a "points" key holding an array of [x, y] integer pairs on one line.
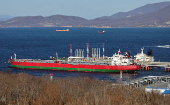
{"points": [[88, 9]]}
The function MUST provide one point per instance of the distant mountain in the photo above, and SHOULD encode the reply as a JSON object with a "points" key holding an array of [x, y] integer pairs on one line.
{"points": [[39, 21], [159, 18], [5, 17], [138, 11], [151, 15]]}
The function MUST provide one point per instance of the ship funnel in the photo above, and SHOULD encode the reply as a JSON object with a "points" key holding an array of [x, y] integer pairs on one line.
{"points": [[149, 53], [127, 54]]}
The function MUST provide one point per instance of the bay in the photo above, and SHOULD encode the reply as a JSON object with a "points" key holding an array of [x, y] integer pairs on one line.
{"points": [[34, 43]]}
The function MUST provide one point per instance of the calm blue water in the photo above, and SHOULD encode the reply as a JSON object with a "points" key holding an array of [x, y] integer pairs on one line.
{"points": [[34, 43]]}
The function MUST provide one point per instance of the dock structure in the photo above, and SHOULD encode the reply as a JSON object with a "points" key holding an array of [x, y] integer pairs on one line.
{"points": [[147, 61], [154, 81], [151, 65]]}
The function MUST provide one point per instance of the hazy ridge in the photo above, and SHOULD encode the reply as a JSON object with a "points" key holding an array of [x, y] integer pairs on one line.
{"points": [[150, 15]]}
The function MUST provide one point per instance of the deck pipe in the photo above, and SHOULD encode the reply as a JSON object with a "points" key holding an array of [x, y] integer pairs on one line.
{"points": [[80, 53], [96, 53], [70, 49], [15, 56], [76, 53], [99, 53], [92, 53], [83, 53], [103, 50]]}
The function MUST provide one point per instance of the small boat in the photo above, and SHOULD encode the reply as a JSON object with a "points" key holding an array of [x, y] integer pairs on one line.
{"points": [[63, 30], [102, 32]]}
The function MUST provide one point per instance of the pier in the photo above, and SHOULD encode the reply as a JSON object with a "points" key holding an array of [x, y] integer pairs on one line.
{"points": [[152, 81], [151, 65]]}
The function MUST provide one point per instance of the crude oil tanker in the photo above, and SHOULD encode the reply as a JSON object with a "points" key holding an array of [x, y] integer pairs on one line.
{"points": [[116, 63]]}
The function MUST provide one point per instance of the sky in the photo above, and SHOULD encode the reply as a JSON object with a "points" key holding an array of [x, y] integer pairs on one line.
{"points": [[88, 9]]}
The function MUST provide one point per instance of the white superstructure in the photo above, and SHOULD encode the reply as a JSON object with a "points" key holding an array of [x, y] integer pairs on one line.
{"points": [[142, 58], [119, 59]]}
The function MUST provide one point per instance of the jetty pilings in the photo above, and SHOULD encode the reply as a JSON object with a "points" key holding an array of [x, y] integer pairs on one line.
{"points": [[151, 65]]}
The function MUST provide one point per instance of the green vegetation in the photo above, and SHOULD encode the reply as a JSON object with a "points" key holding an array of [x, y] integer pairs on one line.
{"points": [[23, 89]]}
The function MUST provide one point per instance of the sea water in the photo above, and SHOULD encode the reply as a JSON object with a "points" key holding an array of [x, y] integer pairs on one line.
{"points": [[35, 43]]}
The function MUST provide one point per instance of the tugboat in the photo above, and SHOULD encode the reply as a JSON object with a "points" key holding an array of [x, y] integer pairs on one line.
{"points": [[116, 63], [102, 32]]}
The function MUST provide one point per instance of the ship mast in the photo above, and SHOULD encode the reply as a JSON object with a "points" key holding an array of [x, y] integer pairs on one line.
{"points": [[87, 50]]}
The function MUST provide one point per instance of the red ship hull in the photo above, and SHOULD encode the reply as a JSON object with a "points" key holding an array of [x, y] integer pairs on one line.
{"points": [[75, 67]]}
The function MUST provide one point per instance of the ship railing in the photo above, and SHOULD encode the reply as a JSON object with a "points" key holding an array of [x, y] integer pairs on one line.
{"points": [[29, 60], [25, 60], [88, 63]]}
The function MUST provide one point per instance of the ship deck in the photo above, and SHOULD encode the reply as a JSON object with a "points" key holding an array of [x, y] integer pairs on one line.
{"points": [[99, 62]]}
